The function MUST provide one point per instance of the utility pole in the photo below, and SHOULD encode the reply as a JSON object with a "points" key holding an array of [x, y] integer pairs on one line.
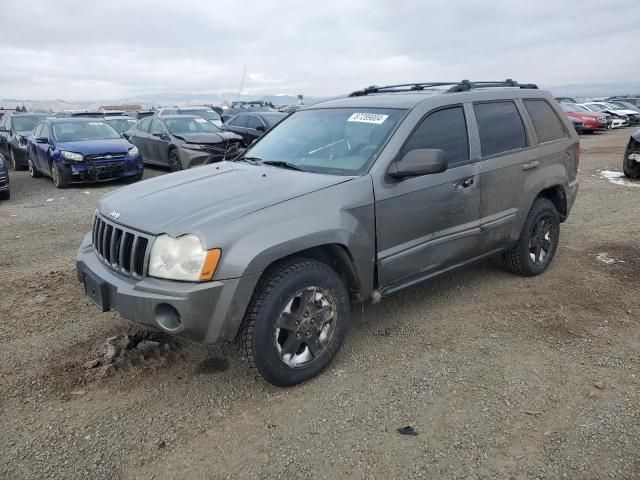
{"points": [[242, 82]]}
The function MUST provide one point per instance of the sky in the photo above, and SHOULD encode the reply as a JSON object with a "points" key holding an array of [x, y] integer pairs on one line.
{"points": [[113, 49]]}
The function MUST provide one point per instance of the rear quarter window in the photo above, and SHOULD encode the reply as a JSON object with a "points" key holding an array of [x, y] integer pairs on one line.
{"points": [[546, 123], [500, 126]]}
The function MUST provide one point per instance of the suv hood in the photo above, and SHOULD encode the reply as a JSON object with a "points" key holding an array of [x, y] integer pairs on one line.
{"points": [[208, 138], [95, 147], [187, 201]]}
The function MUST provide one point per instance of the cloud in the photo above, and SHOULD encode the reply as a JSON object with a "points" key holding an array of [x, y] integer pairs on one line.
{"points": [[99, 50]]}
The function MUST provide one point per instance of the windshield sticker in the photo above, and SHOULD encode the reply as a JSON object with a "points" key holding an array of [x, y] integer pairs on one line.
{"points": [[200, 120], [376, 118], [96, 124]]}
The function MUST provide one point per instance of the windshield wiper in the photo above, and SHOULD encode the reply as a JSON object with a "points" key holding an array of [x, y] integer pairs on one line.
{"points": [[281, 164], [251, 160]]}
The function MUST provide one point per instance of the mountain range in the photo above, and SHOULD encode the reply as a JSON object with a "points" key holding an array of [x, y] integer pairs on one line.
{"points": [[581, 91]]}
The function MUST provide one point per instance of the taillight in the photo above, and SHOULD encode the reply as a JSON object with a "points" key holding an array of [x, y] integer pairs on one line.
{"points": [[576, 155]]}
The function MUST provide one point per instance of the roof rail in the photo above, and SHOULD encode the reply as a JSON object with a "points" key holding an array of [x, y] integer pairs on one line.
{"points": [[462, 86]]}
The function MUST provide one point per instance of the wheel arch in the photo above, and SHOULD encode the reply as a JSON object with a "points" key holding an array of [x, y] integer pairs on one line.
{"points": [[335, 255], [558, 196]]}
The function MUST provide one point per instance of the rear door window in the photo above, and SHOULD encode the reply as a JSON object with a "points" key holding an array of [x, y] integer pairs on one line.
{"points": [[144, 125], [254, 122], [500, 126], [156, 127], [546, 123], [240, 121], [444, 130]]}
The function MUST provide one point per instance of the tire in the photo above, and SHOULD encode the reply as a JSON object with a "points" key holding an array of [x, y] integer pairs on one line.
{"points": [[5, 195], [630, 168], [538, 241], [14, 163], [281, 317], [59, 177], [33, 171], [175, 164]]}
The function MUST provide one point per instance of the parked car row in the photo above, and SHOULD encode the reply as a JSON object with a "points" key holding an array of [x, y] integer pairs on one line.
{"points": [[592, 116]]}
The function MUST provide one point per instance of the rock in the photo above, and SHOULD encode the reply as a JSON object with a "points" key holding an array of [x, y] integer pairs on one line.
{"points": [[92, 363], [115, 345], [599, 385], [78, 392], [106, 371], [148, 348]]}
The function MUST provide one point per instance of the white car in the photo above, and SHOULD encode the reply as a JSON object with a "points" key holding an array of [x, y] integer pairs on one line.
{"points": [[620, 117]]}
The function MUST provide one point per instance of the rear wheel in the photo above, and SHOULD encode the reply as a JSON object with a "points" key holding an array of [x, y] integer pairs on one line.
{"points": [[538, 241], [174, 161], [59, 177], [296, 322]]}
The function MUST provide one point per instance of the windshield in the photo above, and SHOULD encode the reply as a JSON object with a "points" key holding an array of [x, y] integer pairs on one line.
{"points": [[121, 125], [595, 108], [24, 123], [76, 131], [340, 141], [206, 114], [181, 126]]}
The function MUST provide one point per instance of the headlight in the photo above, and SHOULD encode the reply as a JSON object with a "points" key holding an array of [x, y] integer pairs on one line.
{"points": [[74, 157], [133, 152], [182, 259], [192, 146]]}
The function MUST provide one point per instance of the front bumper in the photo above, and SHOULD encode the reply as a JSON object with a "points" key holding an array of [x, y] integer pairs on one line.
{"points": [[93, 171], [208, 313]]}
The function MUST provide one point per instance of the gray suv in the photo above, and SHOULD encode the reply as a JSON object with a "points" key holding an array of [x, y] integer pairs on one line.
{"points": [[344, 201]]}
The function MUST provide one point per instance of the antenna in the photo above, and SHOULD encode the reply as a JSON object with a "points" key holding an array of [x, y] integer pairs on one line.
{"points": [[242, 82]]}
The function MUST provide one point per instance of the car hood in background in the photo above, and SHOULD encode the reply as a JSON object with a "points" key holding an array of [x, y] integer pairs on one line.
{"points": [[208, 138], [94, 147], [205, 197]]}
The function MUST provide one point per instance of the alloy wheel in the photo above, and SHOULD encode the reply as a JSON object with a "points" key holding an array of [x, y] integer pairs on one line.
{"points": [[305, 327], [541, 239]]}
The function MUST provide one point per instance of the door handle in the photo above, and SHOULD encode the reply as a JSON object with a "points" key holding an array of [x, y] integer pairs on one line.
{"points": [[464, 183], [530, 165]]}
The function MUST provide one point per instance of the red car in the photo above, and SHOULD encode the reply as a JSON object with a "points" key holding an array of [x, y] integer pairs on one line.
{"points": [[591, 121]]}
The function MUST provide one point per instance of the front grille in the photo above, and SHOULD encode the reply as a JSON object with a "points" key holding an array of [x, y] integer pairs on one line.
{"points": [[108, 171], [122, 249], [106, 156]]}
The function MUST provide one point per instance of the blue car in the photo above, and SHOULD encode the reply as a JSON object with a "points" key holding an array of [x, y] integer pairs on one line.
{"points": [[75, 150]]}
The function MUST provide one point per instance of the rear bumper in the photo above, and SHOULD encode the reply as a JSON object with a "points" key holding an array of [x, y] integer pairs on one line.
{"points": [[572, 194], [209, 312]]}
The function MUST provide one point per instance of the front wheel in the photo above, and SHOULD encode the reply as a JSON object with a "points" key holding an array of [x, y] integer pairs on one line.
{"points": [[631, 168], [58, 175], [174, 161], [33, 171], [538, 241], [296, 322], [14, 162]]}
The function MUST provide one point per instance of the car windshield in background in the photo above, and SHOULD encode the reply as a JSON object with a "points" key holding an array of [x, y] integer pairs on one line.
{"points": [[120, 125], [77, 131], [340, 141], [25, 123], [181, 126], [597, 108], [207, 114], [273, 120]]}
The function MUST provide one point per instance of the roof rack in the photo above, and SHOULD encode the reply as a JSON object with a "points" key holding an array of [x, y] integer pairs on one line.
{"points": [[462, 86]]}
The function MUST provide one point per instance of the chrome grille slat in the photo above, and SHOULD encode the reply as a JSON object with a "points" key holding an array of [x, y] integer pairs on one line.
{"points": [[122, 249]]}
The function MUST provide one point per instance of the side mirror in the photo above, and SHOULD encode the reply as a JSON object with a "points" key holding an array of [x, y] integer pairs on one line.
{"points": [[419, 162], [161, 136], [261, 128], [42, 140]]}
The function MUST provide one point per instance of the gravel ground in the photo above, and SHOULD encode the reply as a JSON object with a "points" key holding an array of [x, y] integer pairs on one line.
{"points": [[500, 376]]}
